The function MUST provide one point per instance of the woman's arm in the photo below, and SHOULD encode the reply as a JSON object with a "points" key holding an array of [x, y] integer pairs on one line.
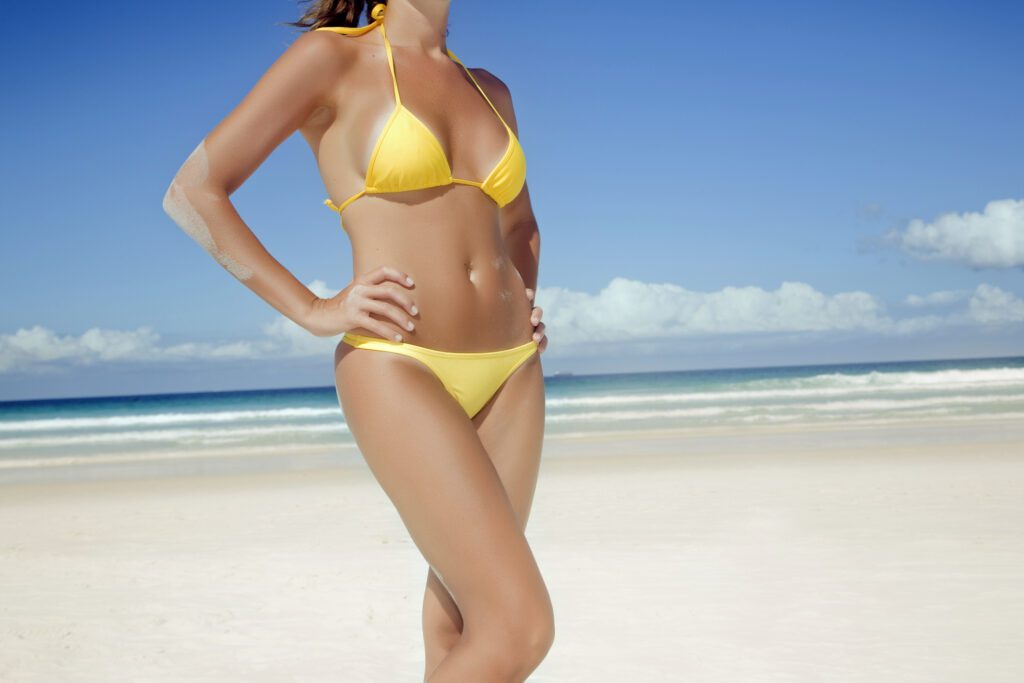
{"points": [[292, 90], [522, 237], [518, 224]]}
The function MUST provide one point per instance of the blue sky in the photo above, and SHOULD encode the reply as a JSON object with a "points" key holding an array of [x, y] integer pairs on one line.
{"points": [[717, 184]]}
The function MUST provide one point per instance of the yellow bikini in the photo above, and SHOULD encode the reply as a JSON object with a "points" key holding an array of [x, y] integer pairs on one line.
{"points": [[472, 378], [408, 156]]}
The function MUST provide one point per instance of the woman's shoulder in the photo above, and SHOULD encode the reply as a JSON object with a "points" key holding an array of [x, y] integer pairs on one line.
{"points": [[336, 37], [327, 43], [323, 54], [498, 92], [489, 82]]}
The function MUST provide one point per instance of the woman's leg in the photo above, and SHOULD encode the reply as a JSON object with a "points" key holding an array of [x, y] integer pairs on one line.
{"points": [[442, 623], [430, 461], [511, 429]]}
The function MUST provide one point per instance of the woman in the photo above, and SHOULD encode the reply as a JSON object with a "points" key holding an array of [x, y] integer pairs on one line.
{"points": [[424, 156]]}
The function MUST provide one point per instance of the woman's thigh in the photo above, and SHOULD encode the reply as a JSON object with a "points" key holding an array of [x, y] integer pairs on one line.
{"points": [[511, 429], [428, 458]]}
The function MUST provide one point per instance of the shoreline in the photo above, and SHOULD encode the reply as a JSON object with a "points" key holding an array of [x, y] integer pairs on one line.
{"points": [[709, 440]]}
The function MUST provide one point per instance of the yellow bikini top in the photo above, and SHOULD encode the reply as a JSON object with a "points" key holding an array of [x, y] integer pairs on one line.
{"points": [[408, 156]]}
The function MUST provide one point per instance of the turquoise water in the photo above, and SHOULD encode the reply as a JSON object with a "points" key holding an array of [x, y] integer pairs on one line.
{"points": [[33, 431]]}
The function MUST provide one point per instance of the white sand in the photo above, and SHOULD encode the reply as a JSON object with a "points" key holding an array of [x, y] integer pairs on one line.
{"points": [[882, 554]]}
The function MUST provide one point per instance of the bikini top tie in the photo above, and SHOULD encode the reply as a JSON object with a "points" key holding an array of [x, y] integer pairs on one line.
{"points": [[407, 155]]}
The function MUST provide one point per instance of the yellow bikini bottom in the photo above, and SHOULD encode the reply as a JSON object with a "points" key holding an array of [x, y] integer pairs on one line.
{"points": [[471, 377]]}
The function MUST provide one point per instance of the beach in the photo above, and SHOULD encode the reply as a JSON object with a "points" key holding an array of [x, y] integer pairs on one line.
{"points": [[863, 552], [770, 255]]}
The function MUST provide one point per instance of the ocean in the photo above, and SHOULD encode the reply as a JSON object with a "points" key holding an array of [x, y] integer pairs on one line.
{"points": [[41, 434]]}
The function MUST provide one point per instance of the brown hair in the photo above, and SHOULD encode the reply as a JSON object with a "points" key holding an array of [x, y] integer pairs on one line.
{"points": [[335, 13]]}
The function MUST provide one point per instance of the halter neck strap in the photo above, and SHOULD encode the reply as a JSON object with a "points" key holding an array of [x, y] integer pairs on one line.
{"points": [[378, 20]]}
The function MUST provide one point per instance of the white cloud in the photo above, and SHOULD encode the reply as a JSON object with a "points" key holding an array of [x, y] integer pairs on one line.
{"points": [[993, 238], [941, 298], [38, 347], [320, 288], [993, 306], [625, 310], [629, 309]]}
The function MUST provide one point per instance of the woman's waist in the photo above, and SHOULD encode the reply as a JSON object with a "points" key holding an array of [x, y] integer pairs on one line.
{"points": [[474, 311]]}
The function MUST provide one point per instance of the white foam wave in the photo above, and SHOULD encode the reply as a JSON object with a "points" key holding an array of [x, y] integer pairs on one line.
{"points": [[795, 411], [987, 378], [619, 415], [848, 386], [173, 436], [164, 419], [882, 404]]}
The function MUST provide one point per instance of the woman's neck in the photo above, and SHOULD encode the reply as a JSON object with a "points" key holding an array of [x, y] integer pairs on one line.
{"points": [[420, 24]]}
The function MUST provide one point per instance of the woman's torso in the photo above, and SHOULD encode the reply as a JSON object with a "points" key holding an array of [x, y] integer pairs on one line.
{"points": [[470, 295]]}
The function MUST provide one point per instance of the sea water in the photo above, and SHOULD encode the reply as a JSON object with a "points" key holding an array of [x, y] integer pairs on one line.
{"points": [[35, 434]]}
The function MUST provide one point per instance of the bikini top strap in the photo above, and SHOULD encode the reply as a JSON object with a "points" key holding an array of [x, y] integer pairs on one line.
{"points": [[378, 21], [391, 60], [470, 74]]}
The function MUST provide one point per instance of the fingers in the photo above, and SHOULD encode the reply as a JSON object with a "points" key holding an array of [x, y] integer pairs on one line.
{"points": [[374, 286], [380, 327], [374, 293], [399, 296], [538, 327], [394, 304], [539, 335], [389, 310], [384, 273]]}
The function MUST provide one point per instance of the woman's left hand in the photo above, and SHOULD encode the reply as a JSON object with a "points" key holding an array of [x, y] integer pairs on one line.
{"points": [[538, 327]]}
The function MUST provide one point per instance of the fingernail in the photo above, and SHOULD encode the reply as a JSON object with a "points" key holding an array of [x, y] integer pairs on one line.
{"points": [[408, 279], [398, 337], [415, 310], [409, 324]]}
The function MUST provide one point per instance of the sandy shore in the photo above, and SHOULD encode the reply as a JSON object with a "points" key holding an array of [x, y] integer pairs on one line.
{"points": [[865, 554]]}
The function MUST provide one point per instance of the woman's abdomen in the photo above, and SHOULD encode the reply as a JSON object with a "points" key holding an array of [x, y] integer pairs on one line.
{"points": [[469, 294]]}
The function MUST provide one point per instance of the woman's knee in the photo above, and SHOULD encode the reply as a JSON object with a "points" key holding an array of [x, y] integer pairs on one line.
{"points": [[442, 621], [538, 627], [521, 637]]}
